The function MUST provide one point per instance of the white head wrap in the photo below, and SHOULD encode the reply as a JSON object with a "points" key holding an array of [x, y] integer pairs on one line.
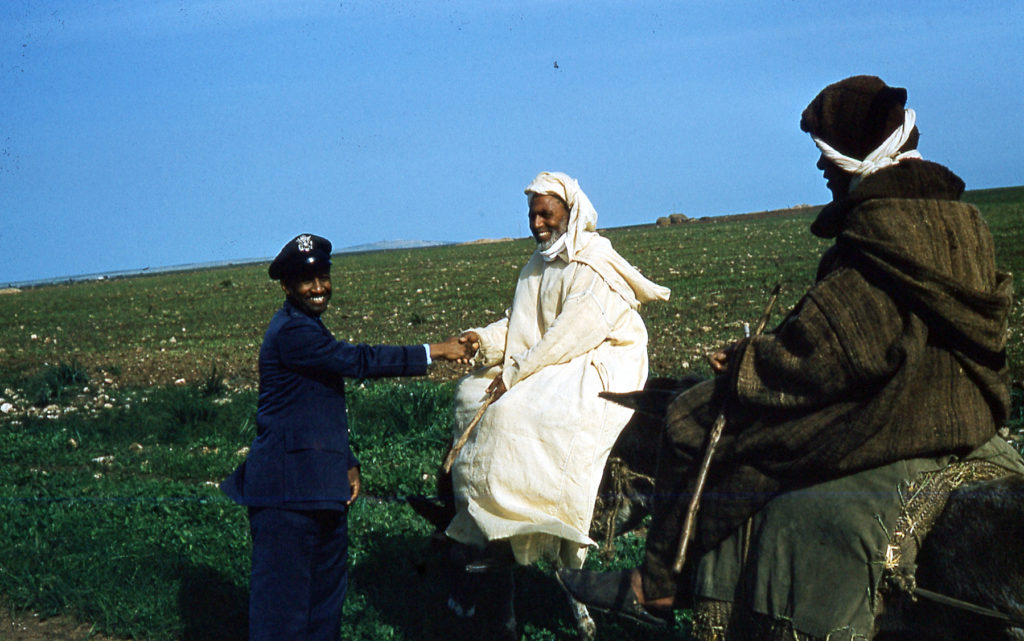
{"points": [[582, 243], [886, 155], [582, 215]]}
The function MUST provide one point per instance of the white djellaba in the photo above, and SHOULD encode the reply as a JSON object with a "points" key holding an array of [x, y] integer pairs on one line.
{"points": [[530, 471]]}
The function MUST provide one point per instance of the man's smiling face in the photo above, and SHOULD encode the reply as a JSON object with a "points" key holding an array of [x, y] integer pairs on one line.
{"points": [[310, 293], [549, 219]]}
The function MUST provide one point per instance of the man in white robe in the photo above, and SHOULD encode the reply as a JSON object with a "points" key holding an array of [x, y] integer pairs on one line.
{"points": [[530, 471]]}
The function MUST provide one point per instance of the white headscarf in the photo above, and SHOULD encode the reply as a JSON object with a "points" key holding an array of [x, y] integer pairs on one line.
{"points": [[886, 155], [582, 215], [581, 235]]}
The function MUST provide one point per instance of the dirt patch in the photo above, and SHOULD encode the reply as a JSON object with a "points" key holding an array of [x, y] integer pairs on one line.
{"points": [[26, 626]]}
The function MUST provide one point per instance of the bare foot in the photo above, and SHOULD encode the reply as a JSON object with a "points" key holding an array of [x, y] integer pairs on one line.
{"points": [[661, 603]]}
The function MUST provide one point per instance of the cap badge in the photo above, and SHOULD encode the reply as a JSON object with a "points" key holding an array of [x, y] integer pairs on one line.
{"points": [[305, 243]]}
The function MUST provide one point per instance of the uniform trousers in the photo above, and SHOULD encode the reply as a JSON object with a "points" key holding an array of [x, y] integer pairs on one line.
{"points": [[299, 574]]}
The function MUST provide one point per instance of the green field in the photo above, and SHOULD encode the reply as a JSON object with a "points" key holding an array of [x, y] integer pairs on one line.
{"points": [[127, 400]]}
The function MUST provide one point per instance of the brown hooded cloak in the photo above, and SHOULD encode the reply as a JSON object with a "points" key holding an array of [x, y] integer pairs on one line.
{"points": [[896, 352]]}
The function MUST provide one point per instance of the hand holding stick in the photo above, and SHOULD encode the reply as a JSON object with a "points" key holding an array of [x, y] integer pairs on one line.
{"points": [[452, 453], [716, 434]]}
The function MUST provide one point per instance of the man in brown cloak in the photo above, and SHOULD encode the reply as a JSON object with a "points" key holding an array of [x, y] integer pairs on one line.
{"points": [[890, 366]]}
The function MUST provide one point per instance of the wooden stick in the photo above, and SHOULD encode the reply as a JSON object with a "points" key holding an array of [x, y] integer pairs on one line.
{"points": [[452, 453], [716, 434], [768, 310], [702, 476]]}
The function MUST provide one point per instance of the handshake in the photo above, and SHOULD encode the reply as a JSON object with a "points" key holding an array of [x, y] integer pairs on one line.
{"points": [[459, 349]]}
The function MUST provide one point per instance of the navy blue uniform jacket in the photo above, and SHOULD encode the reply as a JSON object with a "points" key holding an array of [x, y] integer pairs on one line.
{"points": [[301, 457]]}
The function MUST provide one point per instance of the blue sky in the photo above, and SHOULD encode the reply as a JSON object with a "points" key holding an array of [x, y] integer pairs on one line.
{"points": [[150, 133]]}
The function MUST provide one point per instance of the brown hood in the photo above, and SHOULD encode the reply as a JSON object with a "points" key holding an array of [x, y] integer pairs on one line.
{"points": [[915, 256]]}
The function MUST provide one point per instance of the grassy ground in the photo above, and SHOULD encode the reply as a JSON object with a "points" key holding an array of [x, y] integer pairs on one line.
{"points": [[157, 329], [116, 518], [127, 400]]}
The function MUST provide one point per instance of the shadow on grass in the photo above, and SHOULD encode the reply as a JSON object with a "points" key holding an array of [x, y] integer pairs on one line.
{"points": [[212, 607], [401, 582]]}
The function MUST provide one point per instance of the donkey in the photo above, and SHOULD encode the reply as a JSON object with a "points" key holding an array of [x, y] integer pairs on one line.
{"points": [[959, 577], [964, 582]]}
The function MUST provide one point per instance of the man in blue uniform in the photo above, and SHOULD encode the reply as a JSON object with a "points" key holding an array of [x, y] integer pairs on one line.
{"points": [[300, 476]]}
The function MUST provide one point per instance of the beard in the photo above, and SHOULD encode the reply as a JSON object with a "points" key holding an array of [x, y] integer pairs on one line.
{"points": [[550, 242]]}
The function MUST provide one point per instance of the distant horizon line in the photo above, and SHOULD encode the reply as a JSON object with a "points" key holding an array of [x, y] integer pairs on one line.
{"points": [[383, 245]]}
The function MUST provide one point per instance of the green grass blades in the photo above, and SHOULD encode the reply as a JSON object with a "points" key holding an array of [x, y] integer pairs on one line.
{"points": [[117, 520], [126, 401]]}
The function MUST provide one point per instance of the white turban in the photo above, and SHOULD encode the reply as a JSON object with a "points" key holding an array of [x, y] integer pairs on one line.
{"points": [[886, 155], [582, 215], [582, 242]]}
